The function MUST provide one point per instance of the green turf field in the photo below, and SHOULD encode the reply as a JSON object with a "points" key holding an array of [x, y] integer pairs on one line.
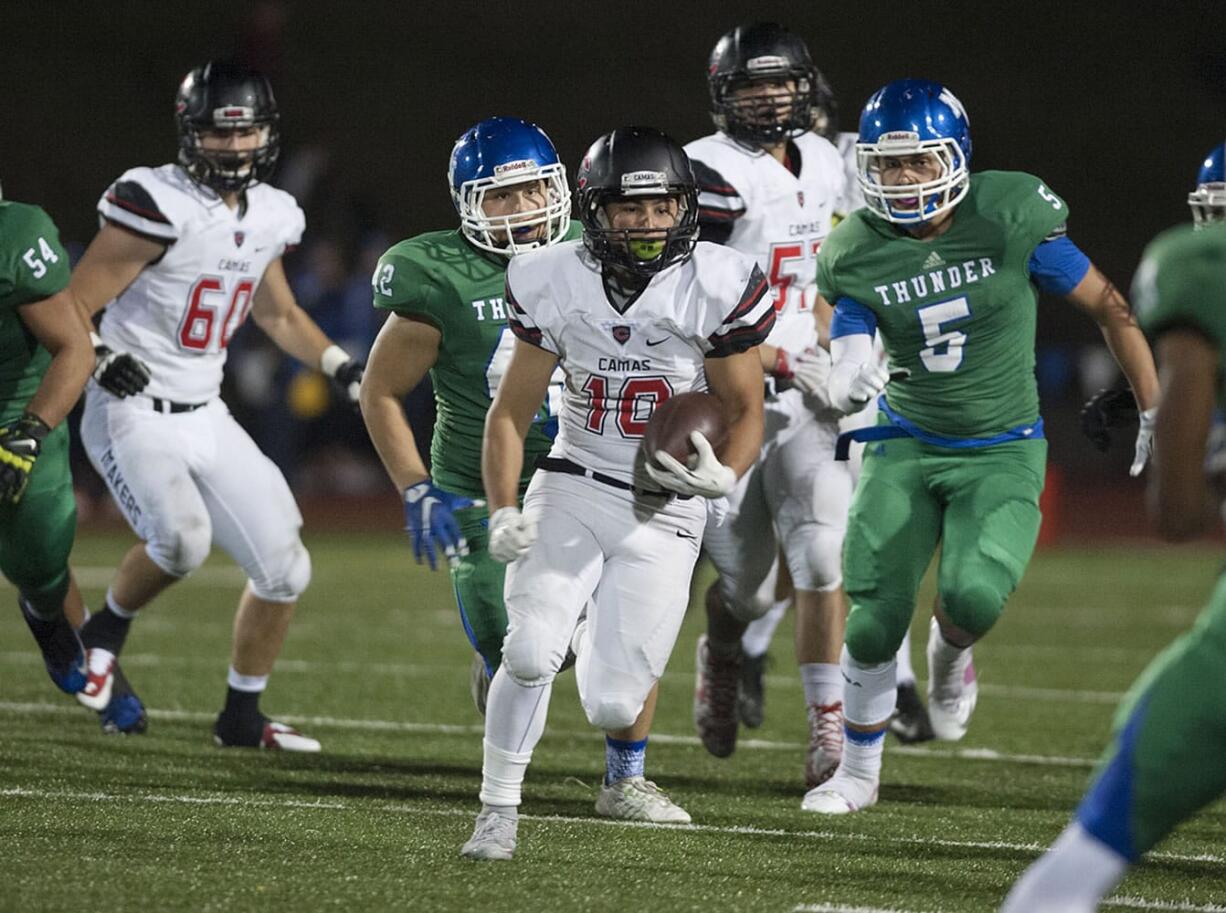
{"points": [[376, 667]]}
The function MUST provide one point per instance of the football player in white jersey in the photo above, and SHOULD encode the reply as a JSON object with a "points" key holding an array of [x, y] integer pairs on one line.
{"points": [[772, 184], [185, 252], [771, 187], [635, 313]]}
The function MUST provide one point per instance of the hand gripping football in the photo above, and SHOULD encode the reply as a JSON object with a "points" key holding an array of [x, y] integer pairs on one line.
{"points": [[672, 421]]}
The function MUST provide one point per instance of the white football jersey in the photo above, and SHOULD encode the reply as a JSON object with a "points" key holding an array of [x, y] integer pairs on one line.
{"points": [[179, 314], [778, 218], [620, 364]]}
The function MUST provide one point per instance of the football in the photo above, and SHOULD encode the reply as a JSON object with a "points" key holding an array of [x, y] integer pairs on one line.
{"points": [[672, 421]]}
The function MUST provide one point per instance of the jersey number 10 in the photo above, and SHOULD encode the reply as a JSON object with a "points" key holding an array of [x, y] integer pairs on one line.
{"points": [[205, 301]]}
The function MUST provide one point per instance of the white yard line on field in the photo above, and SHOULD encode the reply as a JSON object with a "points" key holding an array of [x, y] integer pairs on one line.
{"points": [[1132, 903], [735, 830]]}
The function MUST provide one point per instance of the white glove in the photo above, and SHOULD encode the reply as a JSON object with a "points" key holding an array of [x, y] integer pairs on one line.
{"points": [[707, 477], [811, 373], [1145, 441], [511, 535], [854, 386]]}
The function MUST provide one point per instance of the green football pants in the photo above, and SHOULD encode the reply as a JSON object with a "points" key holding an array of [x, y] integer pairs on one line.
{"points": [[36, 533], [981, 505], [477, 581], [1165, 762]]}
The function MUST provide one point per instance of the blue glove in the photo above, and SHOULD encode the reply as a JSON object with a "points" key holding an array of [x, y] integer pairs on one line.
{"points": [[429, 517]]}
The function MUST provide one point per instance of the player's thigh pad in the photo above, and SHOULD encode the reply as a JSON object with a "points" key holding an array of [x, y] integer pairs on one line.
{"points": [[478, 582], [809, 495], [638, 606], [1165, 762], [255, 518], [36, 533], [743, 547], [989, 530], [548, 587], [147, 460], [892, 530]]}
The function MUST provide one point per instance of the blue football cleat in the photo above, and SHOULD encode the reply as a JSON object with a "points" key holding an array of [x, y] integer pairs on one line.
{"points": [[124, 715], [70, 678]]}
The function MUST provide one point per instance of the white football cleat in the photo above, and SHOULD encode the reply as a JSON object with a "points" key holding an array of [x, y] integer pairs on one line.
{"points": [[953, 690], [494, 837], [638, 799], [840, 795], [97, 691], [274, 736], [825, 742]]}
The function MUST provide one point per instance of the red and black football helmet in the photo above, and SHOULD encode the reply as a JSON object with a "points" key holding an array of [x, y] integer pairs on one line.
{"points": [[226, 96], [636, 163], [768, 52]]}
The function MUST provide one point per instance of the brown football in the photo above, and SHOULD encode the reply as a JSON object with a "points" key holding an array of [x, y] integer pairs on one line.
{"points": [[672, 421]]}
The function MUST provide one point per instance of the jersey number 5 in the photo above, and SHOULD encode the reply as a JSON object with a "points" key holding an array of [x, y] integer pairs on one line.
{"points": [[205, 300], [799, 268], [943, 347]]}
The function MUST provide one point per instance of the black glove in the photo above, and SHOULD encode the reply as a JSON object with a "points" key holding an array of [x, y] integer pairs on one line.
{"points": [[120, 373], [348, 380], [1108, 409], [20, 443]]}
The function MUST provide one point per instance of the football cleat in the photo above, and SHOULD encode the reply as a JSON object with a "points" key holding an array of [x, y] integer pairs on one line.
{"points": [[910, 721], [273, 736], [638, 799], [953, 690], [63, 654], [825, 742], [125, 713], [840, 795], [97, 691], [478, 683], [715, 690], [494, 837], [751, 695]]}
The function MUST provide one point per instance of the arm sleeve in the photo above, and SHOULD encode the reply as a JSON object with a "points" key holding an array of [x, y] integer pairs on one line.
{"points": [[1057, 264], [719, 204], [851, 318], [129, 204], [749, 323]]}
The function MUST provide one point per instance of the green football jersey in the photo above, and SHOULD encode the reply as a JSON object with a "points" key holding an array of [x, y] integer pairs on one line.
{"points": [[1182, 282], [443, 280], [33, 266], [958, 311]]}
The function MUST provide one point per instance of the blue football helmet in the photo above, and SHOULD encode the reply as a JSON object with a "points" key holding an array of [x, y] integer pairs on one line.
{"points": [[912, 117], [1208, 200], [499, 152]]}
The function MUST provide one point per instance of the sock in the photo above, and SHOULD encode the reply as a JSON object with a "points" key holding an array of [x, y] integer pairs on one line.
{"points": [[726, 651], [757, 637], [514, 722], [906, 671], [823, 683], [868, 700], [109, 628], [947, 664], [55, 637], [623, 759], [1072, 877], [507, 811], [243, 700]]}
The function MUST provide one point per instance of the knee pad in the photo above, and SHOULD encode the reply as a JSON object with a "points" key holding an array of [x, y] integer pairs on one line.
{"points": [[180, 551], [974, 605], [872, 637], [532, 653], [285, 578], [815, 557], [612, 712]]}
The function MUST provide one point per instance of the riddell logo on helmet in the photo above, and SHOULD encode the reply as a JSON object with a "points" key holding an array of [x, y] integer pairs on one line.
{"points": [[899, 136], [510, 168], [766, 62]]}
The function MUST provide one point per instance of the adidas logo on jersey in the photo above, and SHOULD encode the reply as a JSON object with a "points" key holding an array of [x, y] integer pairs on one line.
{"points": [[934, 260]]}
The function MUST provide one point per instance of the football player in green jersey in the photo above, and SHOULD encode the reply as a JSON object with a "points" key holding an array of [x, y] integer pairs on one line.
{"points": [[944, 265], [1170, 732], [45, 359], [448, 317]]}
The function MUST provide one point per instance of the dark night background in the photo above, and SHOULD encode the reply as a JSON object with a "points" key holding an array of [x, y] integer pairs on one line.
{"points": [[1112, 104]]}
